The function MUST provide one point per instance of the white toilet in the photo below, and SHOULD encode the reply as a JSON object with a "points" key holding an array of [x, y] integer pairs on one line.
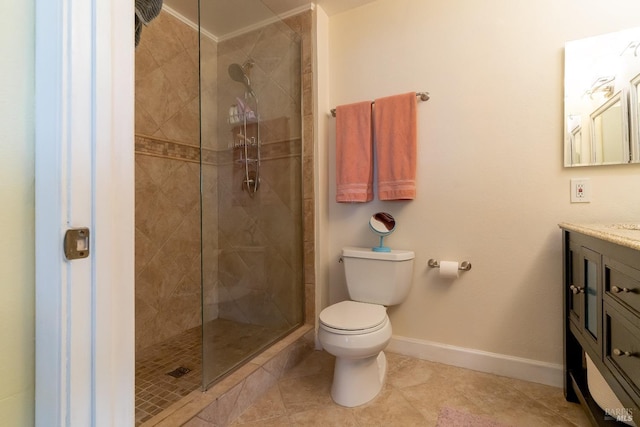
{"points": [[357, 331]]}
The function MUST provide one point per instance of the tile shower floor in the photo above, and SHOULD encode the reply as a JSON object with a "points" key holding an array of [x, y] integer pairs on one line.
{"points": [[417, 393], [229, 342]]}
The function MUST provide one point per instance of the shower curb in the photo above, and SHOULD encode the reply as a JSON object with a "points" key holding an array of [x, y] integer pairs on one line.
{"points": [[228, 399]]}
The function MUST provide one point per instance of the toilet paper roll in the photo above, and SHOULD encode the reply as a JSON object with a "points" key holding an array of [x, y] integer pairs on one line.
{"points": [[449, 269]]}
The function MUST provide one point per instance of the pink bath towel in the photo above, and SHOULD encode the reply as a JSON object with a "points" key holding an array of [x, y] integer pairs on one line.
{"points": [[354, 153], [396, 135]]}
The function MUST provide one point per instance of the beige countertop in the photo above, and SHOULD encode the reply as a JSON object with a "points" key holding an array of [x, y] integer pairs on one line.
{"points": [[624, 234]]}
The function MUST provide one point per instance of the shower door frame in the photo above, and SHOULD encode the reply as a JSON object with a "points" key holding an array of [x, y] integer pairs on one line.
{"points": [[84, 170]]}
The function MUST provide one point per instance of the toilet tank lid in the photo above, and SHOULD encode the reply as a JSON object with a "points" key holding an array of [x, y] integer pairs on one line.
{"points": [[394, 255]]}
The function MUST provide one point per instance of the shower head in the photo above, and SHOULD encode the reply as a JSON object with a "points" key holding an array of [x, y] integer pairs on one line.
{"points": [[237, 73]]}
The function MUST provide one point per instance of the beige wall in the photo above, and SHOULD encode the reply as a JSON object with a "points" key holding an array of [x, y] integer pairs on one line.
{"points": [[17, 264], [491, 183]]}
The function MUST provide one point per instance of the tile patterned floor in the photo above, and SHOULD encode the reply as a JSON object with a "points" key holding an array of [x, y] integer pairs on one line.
{"points": [[228, 344], [415, 394], [155, 390]]}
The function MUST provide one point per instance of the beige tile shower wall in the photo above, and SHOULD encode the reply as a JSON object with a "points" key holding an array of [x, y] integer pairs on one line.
{"points": [[167, 139], [209, 91], [275, 78], [168, 181], [303, 25], [261, 272], [167, 92], [209, 130], [167, 248]]}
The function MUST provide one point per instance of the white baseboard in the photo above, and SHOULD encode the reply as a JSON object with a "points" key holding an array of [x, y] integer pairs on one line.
{"points": [[493, 363]]}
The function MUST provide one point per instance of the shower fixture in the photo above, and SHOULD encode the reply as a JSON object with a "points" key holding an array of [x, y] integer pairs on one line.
{"points": [[247, 127], [240, 73]]}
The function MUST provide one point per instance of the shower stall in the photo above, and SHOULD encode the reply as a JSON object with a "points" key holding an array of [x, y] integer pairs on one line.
{"points": [[251, 222], [219, 193]]}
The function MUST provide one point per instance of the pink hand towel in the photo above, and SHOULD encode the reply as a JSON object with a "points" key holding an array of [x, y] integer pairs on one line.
{"points": [[396, 134], [354, 153]]}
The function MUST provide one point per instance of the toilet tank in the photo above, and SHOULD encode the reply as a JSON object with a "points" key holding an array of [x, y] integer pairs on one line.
{"points": [[378, 277]]}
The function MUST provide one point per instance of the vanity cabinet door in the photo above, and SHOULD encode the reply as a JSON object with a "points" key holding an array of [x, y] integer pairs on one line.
{"points": [[622, 350], [622, 322], [589, 288], [575, 291], [584, 295]]}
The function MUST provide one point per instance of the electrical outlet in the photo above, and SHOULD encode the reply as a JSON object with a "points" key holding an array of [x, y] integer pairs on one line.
{"points": [[580, 190]]}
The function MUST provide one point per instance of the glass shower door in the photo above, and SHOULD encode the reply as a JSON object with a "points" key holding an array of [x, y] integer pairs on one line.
{"points": [[251, 185]]}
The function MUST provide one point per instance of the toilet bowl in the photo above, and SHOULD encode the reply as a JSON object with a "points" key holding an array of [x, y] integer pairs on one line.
{"points": [[356, 333]]}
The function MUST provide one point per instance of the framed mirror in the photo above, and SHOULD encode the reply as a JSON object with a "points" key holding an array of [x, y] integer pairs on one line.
{"points": [[602, 96]]}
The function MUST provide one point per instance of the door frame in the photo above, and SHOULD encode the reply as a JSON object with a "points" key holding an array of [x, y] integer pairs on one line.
{"points": [[84, 167]]}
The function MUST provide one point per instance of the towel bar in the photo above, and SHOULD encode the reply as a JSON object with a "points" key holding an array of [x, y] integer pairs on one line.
{"points": [[424, 96]]}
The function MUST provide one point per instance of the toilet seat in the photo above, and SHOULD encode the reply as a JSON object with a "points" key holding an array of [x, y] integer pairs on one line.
{"points": [[353, 317]]}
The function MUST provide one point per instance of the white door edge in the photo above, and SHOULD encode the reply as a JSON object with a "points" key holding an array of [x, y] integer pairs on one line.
{"points": [[85, 177]]}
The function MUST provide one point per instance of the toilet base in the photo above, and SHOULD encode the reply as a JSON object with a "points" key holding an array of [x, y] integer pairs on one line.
{"points": [[358, 381]]}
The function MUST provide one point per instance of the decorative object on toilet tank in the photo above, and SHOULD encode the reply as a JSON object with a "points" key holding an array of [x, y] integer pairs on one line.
{"points": [[382, 224]]}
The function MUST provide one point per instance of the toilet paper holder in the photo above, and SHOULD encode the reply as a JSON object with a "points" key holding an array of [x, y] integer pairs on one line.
{"points": [[464, 265]]}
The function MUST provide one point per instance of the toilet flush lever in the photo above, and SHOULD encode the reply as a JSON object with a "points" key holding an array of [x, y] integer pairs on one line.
{"points": [[340, 260]]}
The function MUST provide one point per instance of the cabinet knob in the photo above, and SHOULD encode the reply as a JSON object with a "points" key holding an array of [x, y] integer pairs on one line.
{"points": [[617, 290], [576, 290], [618, 352]]}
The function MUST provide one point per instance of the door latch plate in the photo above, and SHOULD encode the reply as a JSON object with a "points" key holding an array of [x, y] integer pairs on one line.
{"points": [[76, 243]]}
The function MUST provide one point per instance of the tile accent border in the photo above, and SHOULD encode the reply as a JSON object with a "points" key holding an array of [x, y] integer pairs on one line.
{"points": [[229, 398], [167, 149], [151, 146]]}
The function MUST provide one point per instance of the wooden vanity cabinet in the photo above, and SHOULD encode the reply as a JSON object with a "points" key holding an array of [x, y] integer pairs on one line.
{"points": [[602, 319], [584, 291], [621, 302]]}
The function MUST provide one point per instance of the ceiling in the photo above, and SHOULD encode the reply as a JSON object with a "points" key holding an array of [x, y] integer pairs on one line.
{"points": [[222, 17]]}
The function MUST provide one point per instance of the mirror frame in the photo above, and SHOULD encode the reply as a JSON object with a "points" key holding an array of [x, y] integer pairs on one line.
{"points": [[597, 149], [603, 68], [574, 134], [634, 121]]}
